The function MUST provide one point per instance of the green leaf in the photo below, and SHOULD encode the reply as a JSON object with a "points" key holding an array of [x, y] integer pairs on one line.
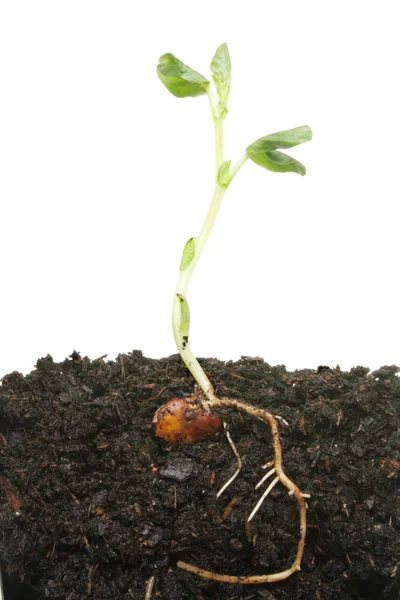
{"points": [[221, 73], [221, 66], [281, 139], [185, 320], [188, 253], [179, 79], [278, 162], [223, 173], [264, 150]]}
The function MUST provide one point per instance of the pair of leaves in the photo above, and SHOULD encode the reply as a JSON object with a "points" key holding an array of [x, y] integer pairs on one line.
{"points": [[179, 79], [184, 82], [264, 151]]}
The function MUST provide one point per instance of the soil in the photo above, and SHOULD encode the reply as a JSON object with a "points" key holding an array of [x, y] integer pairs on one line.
{"points": [[93, 504]]}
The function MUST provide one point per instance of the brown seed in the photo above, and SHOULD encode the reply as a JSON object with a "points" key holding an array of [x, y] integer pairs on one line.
{"points": [[182, 420]]}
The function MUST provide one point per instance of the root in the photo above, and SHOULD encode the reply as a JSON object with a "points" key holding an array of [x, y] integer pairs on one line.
{"points": [[279, 476], [248, 579], [261, 500], [239, 462], [271, 472], [149, 588]]}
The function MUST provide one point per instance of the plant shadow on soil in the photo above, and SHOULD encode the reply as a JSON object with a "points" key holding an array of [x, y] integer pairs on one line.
{"points": [[93, 504]]}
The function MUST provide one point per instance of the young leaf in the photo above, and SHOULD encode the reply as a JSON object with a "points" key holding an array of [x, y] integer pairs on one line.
{"points": [[185, 320], [179, 79], [223, 173], [264, 150], [221, 74], [188, 254], [281, 139], [278, 162], [221, 66]]}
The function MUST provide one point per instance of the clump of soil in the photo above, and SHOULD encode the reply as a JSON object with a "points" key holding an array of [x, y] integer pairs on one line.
{"points": [[93, 504]]}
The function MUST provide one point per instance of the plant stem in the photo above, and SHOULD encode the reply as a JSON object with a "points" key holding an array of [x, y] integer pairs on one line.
{"points": [[219, 142], [236, 168], [185, 275]]}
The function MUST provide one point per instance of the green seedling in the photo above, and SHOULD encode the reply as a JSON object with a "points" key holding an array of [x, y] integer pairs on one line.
{"points": [[190, 419]]}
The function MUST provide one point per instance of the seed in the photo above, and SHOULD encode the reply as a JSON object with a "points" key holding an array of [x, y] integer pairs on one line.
{"points": [[186, 421]]}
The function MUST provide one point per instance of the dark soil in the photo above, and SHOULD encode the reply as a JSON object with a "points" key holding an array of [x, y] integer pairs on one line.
{"points": [[93, 504]]}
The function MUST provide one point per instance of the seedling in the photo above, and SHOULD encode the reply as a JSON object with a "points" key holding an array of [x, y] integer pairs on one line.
{"points": [[191, 419]]}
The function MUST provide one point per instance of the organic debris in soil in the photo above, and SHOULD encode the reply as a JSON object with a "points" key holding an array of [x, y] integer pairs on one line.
{"points": [[93, 504]]}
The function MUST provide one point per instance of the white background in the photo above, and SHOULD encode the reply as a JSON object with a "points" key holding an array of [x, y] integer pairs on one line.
{"points": [[105, 175]]}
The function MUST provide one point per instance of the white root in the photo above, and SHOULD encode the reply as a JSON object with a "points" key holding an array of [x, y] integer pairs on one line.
{"points": [[271, 472], [282, 420], [239, 461], [268, 464], [261, 500]]}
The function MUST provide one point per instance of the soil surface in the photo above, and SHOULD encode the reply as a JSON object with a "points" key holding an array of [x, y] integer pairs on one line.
{"points": [[93, 504]]}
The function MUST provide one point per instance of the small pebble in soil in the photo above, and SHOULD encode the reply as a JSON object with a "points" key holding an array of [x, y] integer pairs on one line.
{"points": [[178, 468]]}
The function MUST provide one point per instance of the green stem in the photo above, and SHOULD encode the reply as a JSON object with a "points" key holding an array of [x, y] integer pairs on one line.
{"points": [[200, 241], [236, 168], [181, 288], [219, 142]]}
